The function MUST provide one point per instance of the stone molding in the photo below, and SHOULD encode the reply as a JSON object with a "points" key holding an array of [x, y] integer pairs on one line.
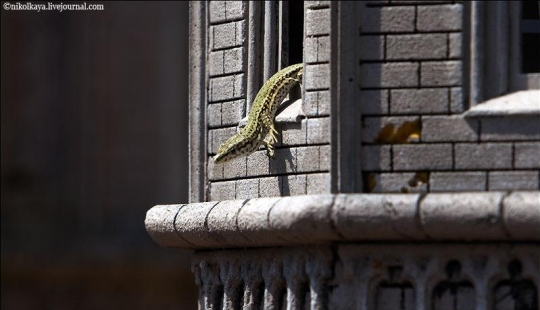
{"points": [[324, 219]]}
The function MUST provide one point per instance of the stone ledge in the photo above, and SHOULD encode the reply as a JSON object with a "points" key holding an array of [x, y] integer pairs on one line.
{"points": [[324, 219], [521, 103]]}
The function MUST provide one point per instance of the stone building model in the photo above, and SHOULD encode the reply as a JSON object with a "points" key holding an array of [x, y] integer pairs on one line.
{"points": [[408, 164]]}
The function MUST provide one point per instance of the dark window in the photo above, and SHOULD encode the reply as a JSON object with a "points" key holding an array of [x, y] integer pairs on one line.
{"points": [[530, 36], [296, 31]]}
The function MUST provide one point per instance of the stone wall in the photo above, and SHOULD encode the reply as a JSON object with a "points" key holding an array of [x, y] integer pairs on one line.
{"points": [[413, 80]]}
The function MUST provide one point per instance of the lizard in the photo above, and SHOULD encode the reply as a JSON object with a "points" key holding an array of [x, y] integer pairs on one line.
{"points": [[260, 122]]}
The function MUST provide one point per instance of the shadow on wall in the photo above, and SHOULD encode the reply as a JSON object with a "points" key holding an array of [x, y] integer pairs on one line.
{"points": [[94, 133]]}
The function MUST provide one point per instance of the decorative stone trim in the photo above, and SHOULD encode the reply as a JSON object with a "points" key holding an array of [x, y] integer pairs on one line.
{"points": [[370, 276], [324, 219]]}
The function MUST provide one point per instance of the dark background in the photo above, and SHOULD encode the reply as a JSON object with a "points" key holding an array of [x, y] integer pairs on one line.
{"points": [[94, 119]]}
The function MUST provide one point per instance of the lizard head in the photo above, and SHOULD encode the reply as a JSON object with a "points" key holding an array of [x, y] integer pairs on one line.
{"points": [[230, 149]]}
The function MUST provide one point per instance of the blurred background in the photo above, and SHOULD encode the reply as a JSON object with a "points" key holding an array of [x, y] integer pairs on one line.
{"points": [[94, 119]]}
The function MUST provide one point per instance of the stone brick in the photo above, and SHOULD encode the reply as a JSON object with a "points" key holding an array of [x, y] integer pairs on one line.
{"points": [[419, 101], [441, 73], [293, 133], [247, 188], [317, 49], [317, 22], [316, 103], [510, 129], [222, 190], [293, 185], [232, 111], [324, 157], [215, 63], [310, 102], [395, 183], [284, 161], [217, 11], [456, 100], [310, 49], [215, 172], [440, 17], [527, 155], [318, 183], [457, 181], [456, 45], [317, 77], [227, 88], [226, 61], [258, 164], [307, 159], [486, 156], [387, 19], [235, 10], [376, 158], [217, 136], [372, 126], [235, 168], [222, 11], [374, 102], [513, 180], [377, 75], [422, 157], [318, 130], [371, 47], [213, 115], [227, 35], [323, 107], [416, 46], [233, 60], [269, 187], [448, 129]]}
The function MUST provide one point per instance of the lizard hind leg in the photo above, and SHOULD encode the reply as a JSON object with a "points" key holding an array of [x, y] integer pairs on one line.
{"points": [[269, 149]]}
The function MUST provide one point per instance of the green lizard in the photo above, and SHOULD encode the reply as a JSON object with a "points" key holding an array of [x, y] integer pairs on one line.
{"points": [[260, 121]]}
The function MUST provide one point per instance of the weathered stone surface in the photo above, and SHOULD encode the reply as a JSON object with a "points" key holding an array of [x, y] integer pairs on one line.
{"points": [[377, 217], [227, 88], [477, 214], [374, 102], [419, 101], [456, 45], [416, 46], [317, 49], [387, 19], [159, 223], [521, 215], [456, 100], [488, 156], [227, 35], [318, 183], [422, 157], [376, 158], [468, 181], [440, 17], [511, 128], [527, 155], [317, 77], [298, 221], [514, 180], [521, 103], [318, 219], [371, 47], [317, 22], [378, 75], [318, 130], [442, 73], [448, 129], [396, 183]]}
